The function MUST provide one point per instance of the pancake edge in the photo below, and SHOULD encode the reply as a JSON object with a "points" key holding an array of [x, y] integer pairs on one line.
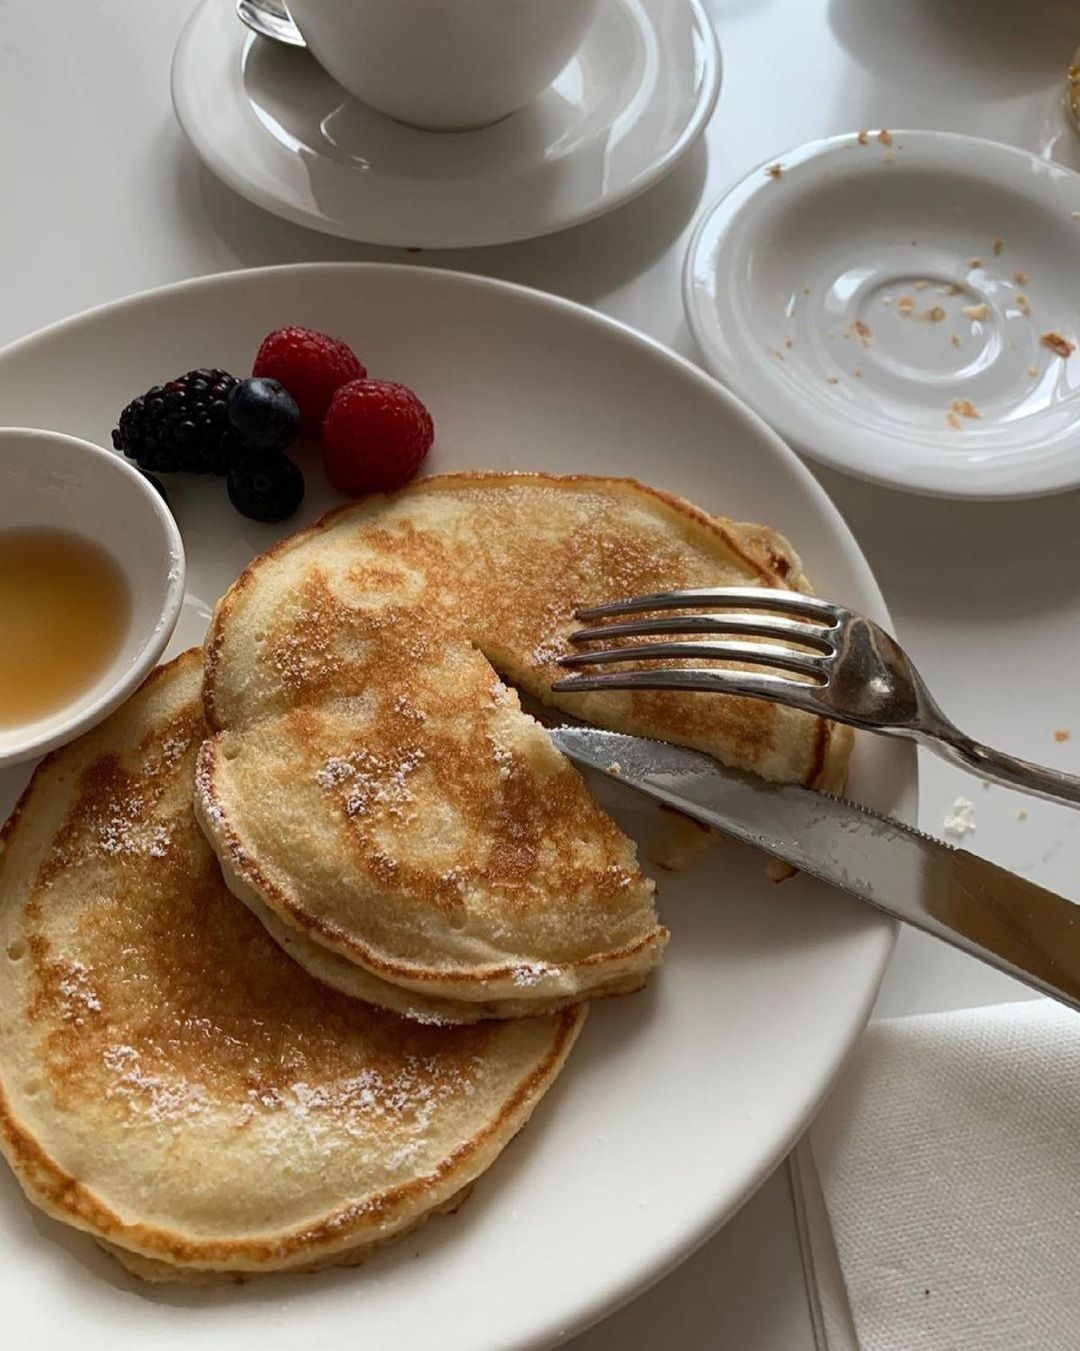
{"points": [[326, 1240], [567, 982]]}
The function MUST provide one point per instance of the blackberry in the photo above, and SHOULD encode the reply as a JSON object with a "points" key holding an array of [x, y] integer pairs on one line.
{"points": [[182, 426]]}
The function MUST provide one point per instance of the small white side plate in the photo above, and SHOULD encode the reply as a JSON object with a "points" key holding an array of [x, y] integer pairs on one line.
{"points": [[882, 298], [277, 129]]}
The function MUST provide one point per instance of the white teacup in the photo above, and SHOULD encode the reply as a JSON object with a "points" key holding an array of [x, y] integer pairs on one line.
{"points": [[444, 64]]}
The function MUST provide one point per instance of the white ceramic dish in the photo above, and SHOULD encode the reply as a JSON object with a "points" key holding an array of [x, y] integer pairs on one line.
{"points": [[277, 129], [677, 1102], [50, 480], [956, 255], [444, 67]]}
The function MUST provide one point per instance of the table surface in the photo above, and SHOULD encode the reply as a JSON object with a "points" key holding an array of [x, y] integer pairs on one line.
{"points": [[103, 197]]}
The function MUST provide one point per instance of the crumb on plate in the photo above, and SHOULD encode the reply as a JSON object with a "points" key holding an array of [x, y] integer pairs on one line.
{"points": [[831, 380], [775, 170], [1022, 303], [933, 315], [862, 332], [905, 304], [678, 841], [921, 285], [961, 819], [863, 138], [954, 340], [1062, 734], [1021, 278], [974, 263], [885, 136], [1056, 343], [1021, 815], [1033, 370], [965, 408], [789, 343], [954, 422], [950, 289], [979, 311], [999, 244], [776, 870]]}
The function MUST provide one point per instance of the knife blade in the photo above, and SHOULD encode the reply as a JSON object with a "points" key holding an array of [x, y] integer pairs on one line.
{"points": [[1022, 929]]}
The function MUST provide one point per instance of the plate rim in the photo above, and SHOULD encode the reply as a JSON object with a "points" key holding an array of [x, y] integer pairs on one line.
{"points": [[918, 482], [226, 173], [668, 1252]]}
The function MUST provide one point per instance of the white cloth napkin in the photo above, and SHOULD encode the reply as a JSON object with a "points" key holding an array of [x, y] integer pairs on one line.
{"points": [[938, 1191]]}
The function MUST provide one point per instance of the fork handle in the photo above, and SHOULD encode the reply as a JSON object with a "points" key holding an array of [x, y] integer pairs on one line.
{"points": [[952, 744]]}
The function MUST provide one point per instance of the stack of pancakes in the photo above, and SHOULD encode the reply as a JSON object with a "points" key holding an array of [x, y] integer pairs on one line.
{"points": [[429, 893]]}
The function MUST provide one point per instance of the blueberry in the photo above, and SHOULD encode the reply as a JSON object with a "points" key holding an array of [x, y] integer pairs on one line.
{"points": [[264, 413], [265, 487]]}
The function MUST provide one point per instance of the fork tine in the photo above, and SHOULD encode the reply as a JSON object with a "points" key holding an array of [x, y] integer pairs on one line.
{"points": [[761, 626], [756, 654], [775, 689], [731, 597]]}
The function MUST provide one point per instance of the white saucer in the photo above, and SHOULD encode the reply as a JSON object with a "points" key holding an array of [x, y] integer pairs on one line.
{"points": [[270, 123], [909, 237]]}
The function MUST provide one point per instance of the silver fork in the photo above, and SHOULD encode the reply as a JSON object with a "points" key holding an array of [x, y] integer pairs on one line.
{"points": [[839, 665]]}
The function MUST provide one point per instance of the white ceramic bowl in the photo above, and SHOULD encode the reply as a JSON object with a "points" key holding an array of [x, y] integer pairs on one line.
{"points": [[47, 479]]}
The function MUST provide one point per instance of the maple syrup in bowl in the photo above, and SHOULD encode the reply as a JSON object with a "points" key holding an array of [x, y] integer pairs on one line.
{"points": [[91, 584]]}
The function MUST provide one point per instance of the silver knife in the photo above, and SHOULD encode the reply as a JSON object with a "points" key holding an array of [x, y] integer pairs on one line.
{"points": [[1012, 924]]}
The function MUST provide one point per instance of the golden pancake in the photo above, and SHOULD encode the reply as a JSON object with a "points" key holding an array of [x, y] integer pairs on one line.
{"points": [[374, 786], [170, 1080]]}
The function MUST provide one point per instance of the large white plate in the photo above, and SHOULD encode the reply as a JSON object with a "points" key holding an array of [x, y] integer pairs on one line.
{"points": [[678, 1101]]}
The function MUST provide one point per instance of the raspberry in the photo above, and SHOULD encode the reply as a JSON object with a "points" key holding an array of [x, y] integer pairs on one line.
{"points": [[311, 366], [374, 437]]}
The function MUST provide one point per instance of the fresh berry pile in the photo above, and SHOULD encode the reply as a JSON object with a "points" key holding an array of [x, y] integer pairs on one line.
{"points": [[312, 367], [373, 433]]}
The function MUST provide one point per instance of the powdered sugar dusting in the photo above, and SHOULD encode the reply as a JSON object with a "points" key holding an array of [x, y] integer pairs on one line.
{"points": [[372, 780], [530, 974], [407, 710], [501, 696], [173, 749], [504, 760], [120, 834], [149, 1097], [304, 650], [548, 651], [77, 992]]}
